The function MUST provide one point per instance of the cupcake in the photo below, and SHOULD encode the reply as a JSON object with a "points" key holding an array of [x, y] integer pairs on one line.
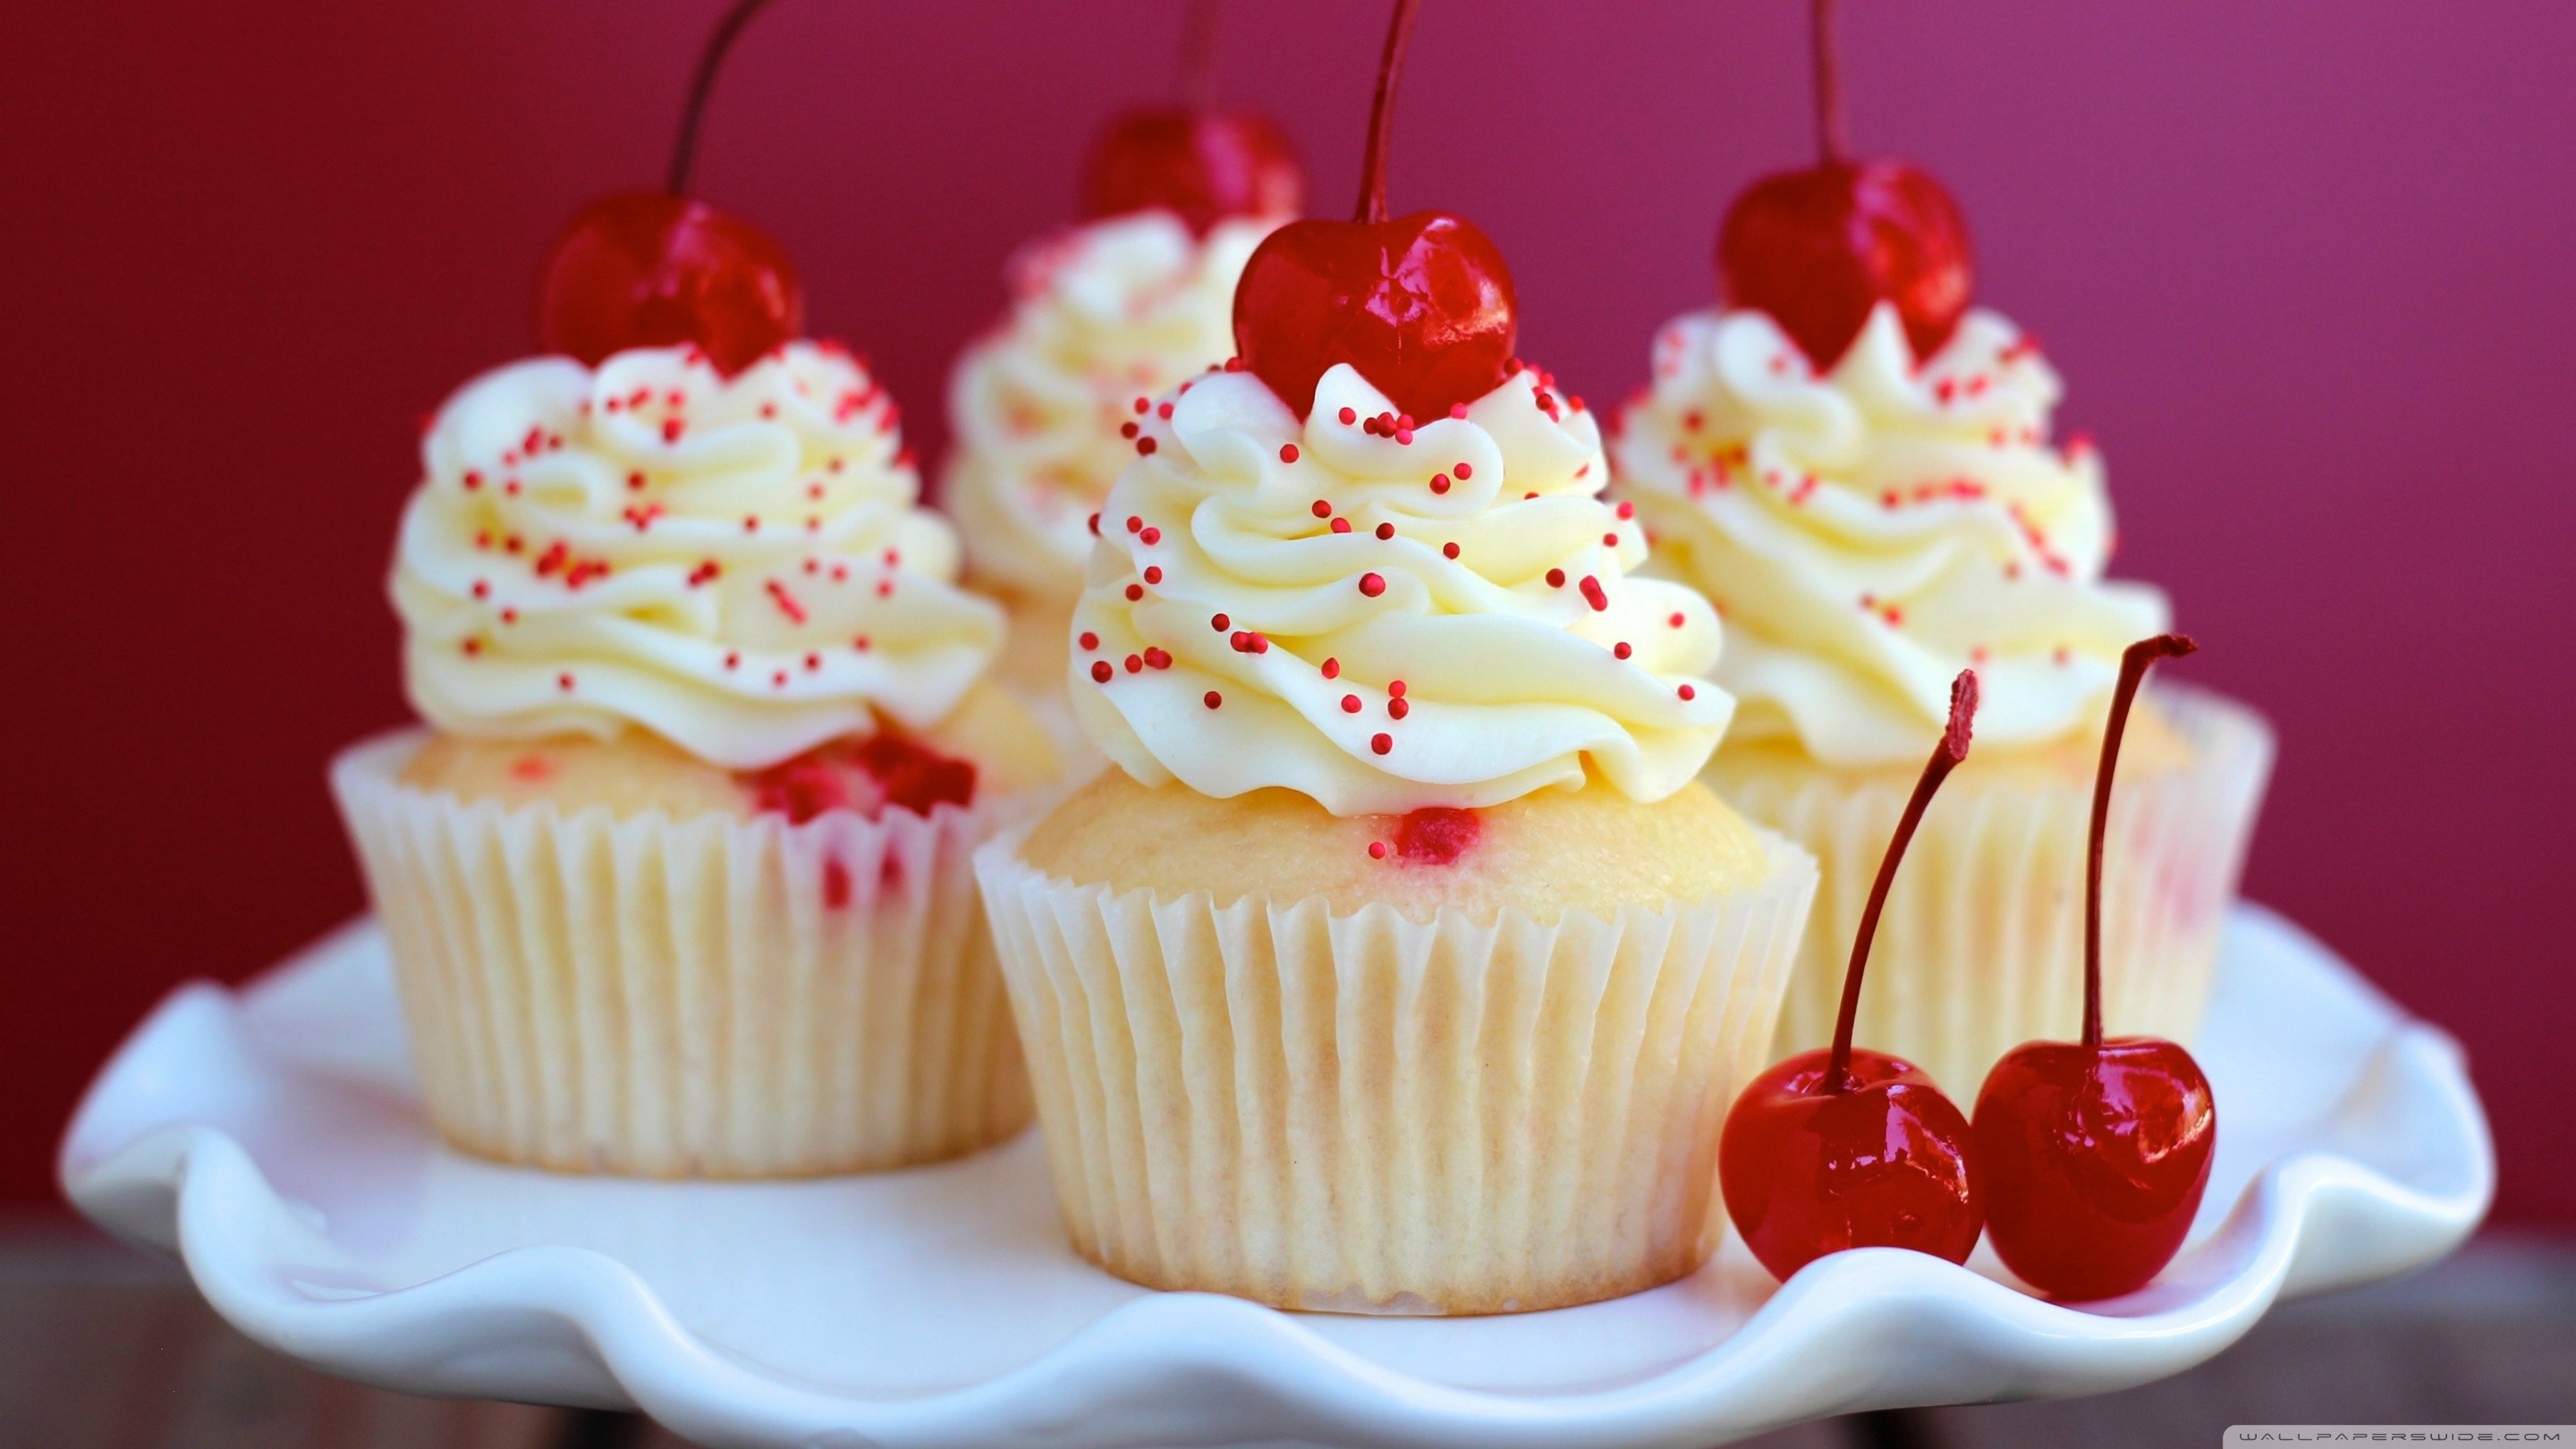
{"points": [[1105, 316], [1857, 467], [1399, 964], [678, 881]]}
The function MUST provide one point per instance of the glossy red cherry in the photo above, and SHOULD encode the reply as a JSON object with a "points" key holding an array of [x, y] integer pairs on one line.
{"points": [[1843, 1148], [1202, 165], [1819, 248], [1421, 305], [2092, 1161], [662, 269], [649, 269], [1880, 1164], [2093, 1155]]}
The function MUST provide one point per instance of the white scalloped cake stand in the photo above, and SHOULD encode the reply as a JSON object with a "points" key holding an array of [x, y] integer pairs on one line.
{"points": [[272, 1139]]}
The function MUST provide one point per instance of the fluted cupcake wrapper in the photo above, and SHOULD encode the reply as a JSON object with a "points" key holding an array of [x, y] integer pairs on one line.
{"points": [[1365, 1113], [715, 996], [1981, 946]]}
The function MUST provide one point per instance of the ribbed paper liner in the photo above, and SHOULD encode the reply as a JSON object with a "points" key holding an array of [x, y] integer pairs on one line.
{"points": [[1981, 947], [1365, 1113], [712, 997]]}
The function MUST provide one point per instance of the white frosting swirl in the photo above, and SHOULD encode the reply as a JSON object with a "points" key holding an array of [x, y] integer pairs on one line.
{"points": [[1370, 669], [1871, 532], [736, 565], [1101, 315]]}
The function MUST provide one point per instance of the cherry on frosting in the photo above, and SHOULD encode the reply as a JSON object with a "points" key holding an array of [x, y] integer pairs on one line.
{"points": [[1203, 165], [1841, 1147], [1820, 247], [1191, 158], [661, 269], [2092, 1155], [1421, 305]]}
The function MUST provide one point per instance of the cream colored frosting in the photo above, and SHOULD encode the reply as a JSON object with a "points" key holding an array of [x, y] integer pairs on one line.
{"points": [[1870, 532], [1101, 315], [1508, 683], [736, 565]]}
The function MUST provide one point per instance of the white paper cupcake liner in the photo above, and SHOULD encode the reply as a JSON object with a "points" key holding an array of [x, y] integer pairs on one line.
{"points": [[709, 997], [1981, 946], [1365, 1113]]}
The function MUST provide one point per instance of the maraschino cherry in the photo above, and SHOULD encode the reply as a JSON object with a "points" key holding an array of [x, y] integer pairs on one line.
{"points": [[1842, 1147], [2092, 1156], [663, 269], [1199, 162], [1422, 305], [1819, 248]]}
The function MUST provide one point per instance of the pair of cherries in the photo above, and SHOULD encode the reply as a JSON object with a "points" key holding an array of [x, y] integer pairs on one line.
{"points": [[2085, 1161]]}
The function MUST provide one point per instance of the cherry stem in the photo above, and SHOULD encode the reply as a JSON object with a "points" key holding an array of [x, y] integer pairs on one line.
{"points": [[684, 151], [1945, 756], [1829, 82], [1197, 83], [1399, 32], [2133, 672]]}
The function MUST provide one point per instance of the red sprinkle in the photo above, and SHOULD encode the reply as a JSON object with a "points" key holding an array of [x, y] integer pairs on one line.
{"points": [[1100, 671], [1321, 509], [1095, 525], [1449, 550], [1135, 664], [1372, 585], [1151, 536], [1349, 417], [1332, 669], [563, 681], [1135, 592], [1089, 640], [1153, 573], [1395, 687], [1464, 472], [1350, 704], [1158, 659], [1593, 595], [1385, 531], [1621, 650], [1382, 743], [1287, 454], [1439, 482], [1341, 525], [1219, 622], [1144, 447], [1675, 621], [1397, 709], [1377, 850], [1214, 699], [1556, 578], [1689, 693]]}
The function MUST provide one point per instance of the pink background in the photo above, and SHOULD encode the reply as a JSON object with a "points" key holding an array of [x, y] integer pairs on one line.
{"points": [[2306, 265]]}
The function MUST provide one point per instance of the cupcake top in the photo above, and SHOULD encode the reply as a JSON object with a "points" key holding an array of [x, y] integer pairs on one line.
{"points": [[1104, 317], [1872, 530], [734, 564], [1384, 613]]}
